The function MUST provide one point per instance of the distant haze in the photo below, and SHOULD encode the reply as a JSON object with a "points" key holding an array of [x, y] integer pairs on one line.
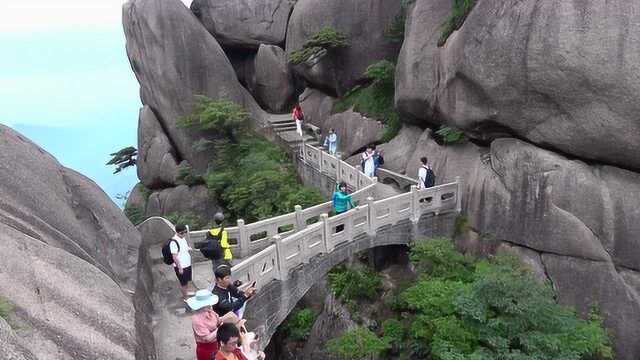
{"points": [[66, 83]]}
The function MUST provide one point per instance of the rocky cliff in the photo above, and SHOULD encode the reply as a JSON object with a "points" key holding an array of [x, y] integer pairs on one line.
{"points": [[69, 264], [546, 91]]}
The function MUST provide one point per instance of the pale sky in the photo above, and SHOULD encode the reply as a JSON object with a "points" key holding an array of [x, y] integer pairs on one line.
{"points": [[66, 82], [53, 15]]}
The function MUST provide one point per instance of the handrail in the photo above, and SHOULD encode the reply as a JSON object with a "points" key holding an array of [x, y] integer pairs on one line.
{"points": [[246, 239], [321, 238]]}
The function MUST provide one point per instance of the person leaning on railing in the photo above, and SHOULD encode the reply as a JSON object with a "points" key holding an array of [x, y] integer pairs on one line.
{"points": [[341, 201]]}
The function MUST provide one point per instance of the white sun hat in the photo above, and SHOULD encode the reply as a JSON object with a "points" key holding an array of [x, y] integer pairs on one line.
{"points": [[202, 298]]}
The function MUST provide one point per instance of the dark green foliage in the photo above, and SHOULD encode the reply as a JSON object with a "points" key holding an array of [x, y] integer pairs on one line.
{"points": [[356, 344], [193, 221], [461, 226], [221, 117], [450, 135], [375, 100], [144, 191], [349, 284], [327, 39], [459, 12], [254, 180], [438, 258], [393, 331], [395, 31], [6, 308], [491, 309], [187, 177], [123, 158], [299, 323], [381, 72], [135, 214]]}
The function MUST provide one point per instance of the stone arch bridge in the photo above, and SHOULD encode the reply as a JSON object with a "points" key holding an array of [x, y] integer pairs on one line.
{"points": [[287, 254]]}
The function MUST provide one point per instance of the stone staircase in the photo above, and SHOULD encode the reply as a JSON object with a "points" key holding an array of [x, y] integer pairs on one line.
{"points": [[284, 126]]}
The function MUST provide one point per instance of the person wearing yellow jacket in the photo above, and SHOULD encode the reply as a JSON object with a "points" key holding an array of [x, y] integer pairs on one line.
{"points": [[219, 232]]}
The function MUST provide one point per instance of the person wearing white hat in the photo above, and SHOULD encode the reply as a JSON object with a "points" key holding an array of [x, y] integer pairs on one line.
{"points": [[205, 323]]}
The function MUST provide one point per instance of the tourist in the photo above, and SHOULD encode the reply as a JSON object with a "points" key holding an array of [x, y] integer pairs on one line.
{"points": [[368, 161], [341, 202], [331, 142], [230, 298], [205, 323], [298, 117], [181, 259], [378, 159], [426, 176], [219, 237], [229, 340]]}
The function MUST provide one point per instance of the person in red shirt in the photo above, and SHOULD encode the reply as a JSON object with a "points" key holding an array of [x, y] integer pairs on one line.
{"points": [[298, 117], [205, 323], [229, 341]]}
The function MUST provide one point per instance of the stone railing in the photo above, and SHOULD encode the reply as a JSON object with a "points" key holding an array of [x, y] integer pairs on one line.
{"points": [[247, 239], [286, 253]]}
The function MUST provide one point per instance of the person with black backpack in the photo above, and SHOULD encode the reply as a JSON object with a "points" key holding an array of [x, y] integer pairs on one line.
{"points": [[216, 247], [426, 176], [176, 252]]}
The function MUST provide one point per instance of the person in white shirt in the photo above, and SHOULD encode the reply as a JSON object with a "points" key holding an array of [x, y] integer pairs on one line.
{"points": [[332, 141], [368, 162], [181, 259], [426, 178]]}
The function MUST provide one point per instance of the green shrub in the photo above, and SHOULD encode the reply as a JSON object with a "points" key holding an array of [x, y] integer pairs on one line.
{"points": [[6, 308], [187, 177], [299, 323], [461, 225], [459, 12], [327, 39], [193, 221], [356, 344], [438, 258], [450, 135], [382, 72], [253, 179], [499, 311], [392, 331], [135, 214], [144, 191], [375, 100], [350, 284], [222, 117]]}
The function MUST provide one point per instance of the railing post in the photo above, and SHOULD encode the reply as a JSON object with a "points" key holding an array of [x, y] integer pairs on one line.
{"points": [[338, 168], [300, 223], [280, 255], [458, 194], [371, 230], [328, 245], [320, 166], [415, 204], [243, 240]]}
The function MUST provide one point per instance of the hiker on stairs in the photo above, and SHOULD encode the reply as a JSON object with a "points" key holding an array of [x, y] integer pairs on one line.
{"points": [[180, 249], [298, 117], [331, 142]]}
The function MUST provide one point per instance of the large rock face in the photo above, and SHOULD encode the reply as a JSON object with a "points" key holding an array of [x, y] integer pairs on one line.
{"points": [[354, 130], [581, 219], [156, 164], [174, 59], [364, 22], [182, 199], [245, 24], [69, 260], [274, 86], [415, 78], [316, 105], [563, 74]]}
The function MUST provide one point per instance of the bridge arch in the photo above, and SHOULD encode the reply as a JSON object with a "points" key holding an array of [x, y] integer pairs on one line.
{"points": [[275, 300]]}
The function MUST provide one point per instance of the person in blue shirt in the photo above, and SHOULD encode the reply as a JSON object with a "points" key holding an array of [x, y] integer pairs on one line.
{"points": [[341, 202]]}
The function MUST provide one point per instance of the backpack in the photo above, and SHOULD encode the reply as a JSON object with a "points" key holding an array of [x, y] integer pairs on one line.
{"points": [[212, 249], [430, 178], [380, 160], [167, 257]]}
